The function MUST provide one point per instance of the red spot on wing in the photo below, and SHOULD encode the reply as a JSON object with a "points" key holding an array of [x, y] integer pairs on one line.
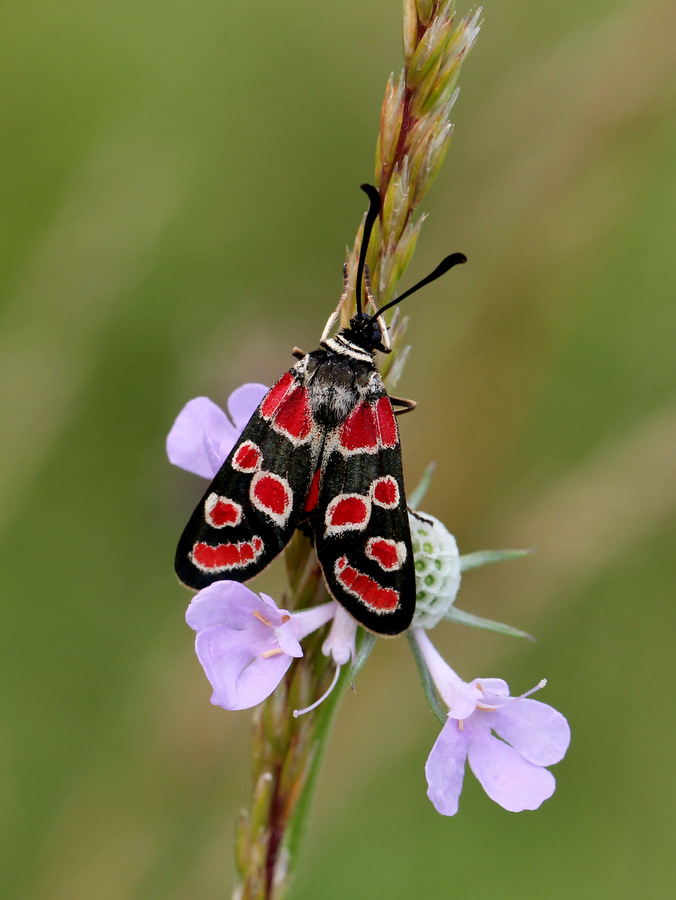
{"points": [[220, 511], [313, 494], [386, 552], [292, 416], [226, 556], [387, 424], [385, 491], [360, 430], [347, 511], [365, 588], [247, 457], [272, 494], [276, 394]]}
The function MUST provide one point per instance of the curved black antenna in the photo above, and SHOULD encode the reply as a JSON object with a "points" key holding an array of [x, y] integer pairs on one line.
{"points": [[374, 208], [440, 270]]}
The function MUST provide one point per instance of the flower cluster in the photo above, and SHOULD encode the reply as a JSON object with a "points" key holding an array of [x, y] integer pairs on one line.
{"points": [[246, 644]]}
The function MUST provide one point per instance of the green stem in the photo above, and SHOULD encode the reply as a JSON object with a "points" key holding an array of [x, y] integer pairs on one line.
{"points": [[287, 751], [324, 718]]}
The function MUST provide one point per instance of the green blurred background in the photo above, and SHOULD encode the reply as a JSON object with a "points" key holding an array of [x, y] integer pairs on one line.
{"points": [[179, 182]]}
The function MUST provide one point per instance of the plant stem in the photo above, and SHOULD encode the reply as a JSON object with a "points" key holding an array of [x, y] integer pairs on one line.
{"points": [[288, 750]]}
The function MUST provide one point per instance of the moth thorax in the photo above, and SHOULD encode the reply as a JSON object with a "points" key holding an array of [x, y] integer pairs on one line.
{"points": [[342, 345], [334, 390]]}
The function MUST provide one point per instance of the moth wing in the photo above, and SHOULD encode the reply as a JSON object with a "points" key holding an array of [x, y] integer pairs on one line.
{"points": [[252, 506], [361, 524]]}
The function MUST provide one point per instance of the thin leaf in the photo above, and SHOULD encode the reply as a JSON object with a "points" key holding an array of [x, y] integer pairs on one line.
{"points": [[486, 557], [416, 497], [464, 618], [366, 645]]}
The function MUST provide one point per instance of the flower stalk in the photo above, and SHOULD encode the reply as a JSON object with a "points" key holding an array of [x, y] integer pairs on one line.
{"points": [[287, 751], [415, 131]]}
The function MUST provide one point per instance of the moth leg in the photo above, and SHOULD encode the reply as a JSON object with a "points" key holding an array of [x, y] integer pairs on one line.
{"points": [[298, 353], [407, 405], [334, 315]]}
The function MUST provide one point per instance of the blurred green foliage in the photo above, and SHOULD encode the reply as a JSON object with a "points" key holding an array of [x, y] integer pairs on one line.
{"points": [[179, 182]]}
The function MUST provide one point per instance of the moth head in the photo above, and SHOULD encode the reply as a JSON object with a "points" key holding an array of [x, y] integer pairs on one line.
{"points": [[368, 333]]}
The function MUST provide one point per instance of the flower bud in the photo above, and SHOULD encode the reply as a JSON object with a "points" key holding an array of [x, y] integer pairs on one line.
{"points": [[437, 569]]}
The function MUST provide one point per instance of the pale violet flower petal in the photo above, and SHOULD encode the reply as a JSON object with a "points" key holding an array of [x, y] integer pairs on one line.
{"points": [[460, 698], [538, 731], [260, 679], [245, 643], [305, 621], [216, 446], [445, 768], [202, 435], [505, 775], [232, 604], [494, 690], [288, 643], [243, 402], [185, 442], [239, 677], [341, 642]]}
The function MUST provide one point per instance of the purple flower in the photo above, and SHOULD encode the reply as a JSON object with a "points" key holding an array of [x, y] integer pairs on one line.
{"points": [[509, 767], [245, 643], [202, 435], [341, 642]]}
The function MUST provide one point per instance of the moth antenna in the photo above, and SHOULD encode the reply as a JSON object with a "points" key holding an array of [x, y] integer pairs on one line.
{"points": [[334, 315], [374, 208], [440, 270]]}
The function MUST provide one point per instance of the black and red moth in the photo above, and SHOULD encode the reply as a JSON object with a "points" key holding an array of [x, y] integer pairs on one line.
{"points": [[322, 450]]}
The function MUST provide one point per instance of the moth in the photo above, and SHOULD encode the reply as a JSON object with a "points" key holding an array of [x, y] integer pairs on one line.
{"points": [[322, 452]]}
